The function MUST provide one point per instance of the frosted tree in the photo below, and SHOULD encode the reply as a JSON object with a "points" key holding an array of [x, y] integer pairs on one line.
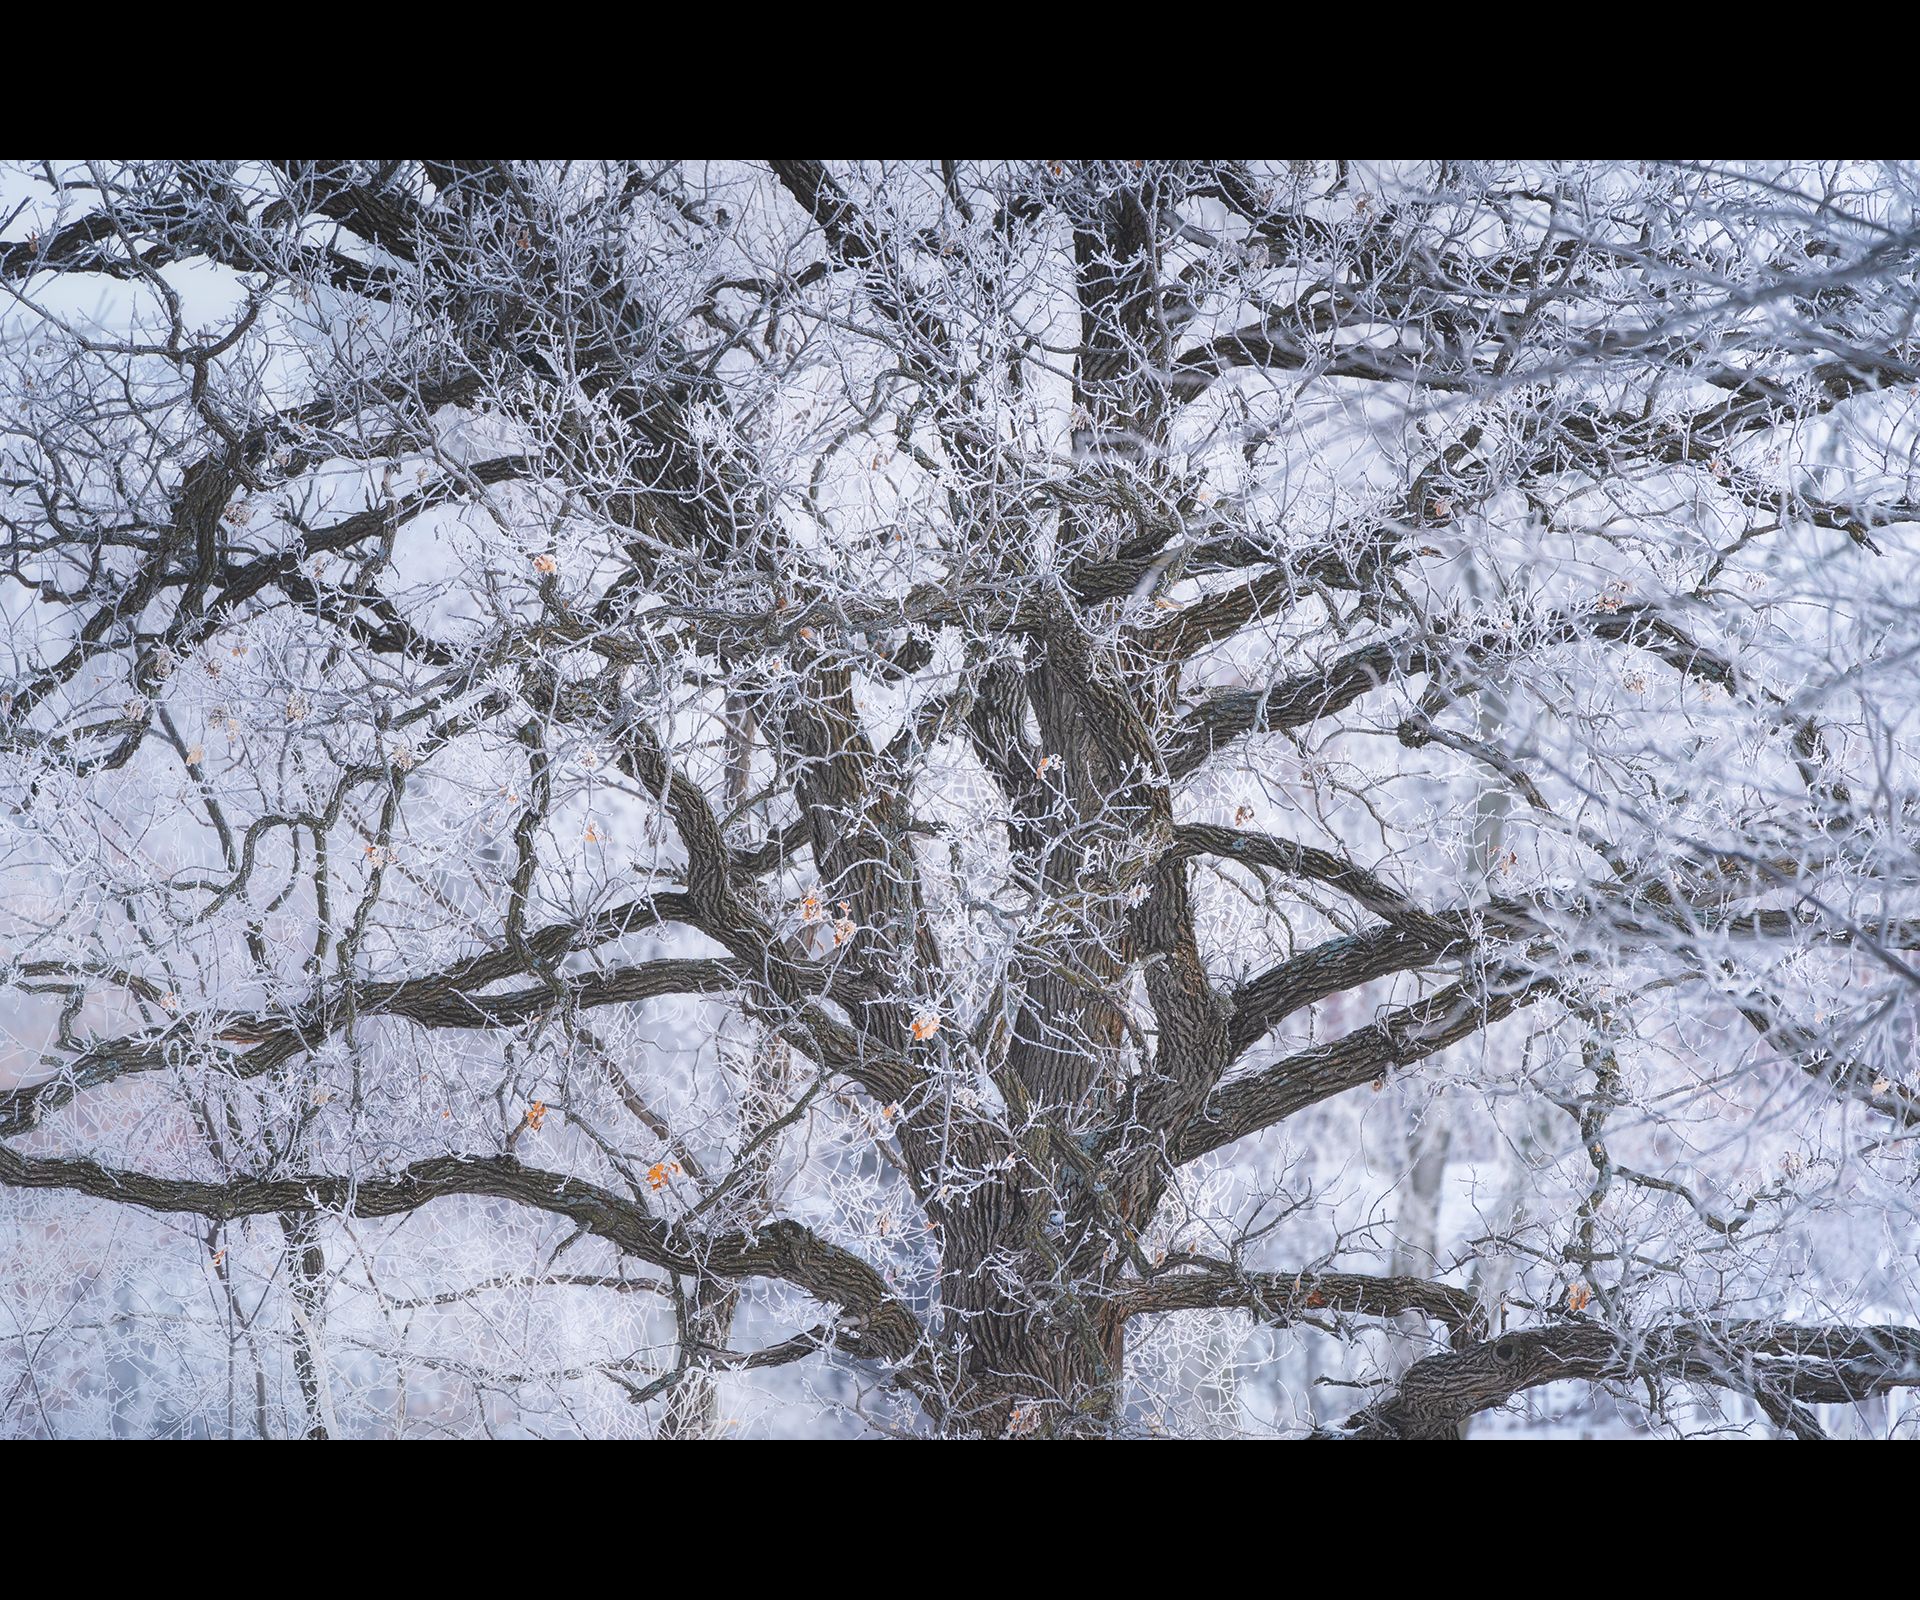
{"points": [[1001, 799]]}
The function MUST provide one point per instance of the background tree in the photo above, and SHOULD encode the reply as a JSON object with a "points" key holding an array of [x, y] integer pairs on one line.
{"points": [[1061, 798]]}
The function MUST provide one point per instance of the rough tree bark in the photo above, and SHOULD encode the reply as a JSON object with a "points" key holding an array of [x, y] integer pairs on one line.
{"points": [[1015, 638]]}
